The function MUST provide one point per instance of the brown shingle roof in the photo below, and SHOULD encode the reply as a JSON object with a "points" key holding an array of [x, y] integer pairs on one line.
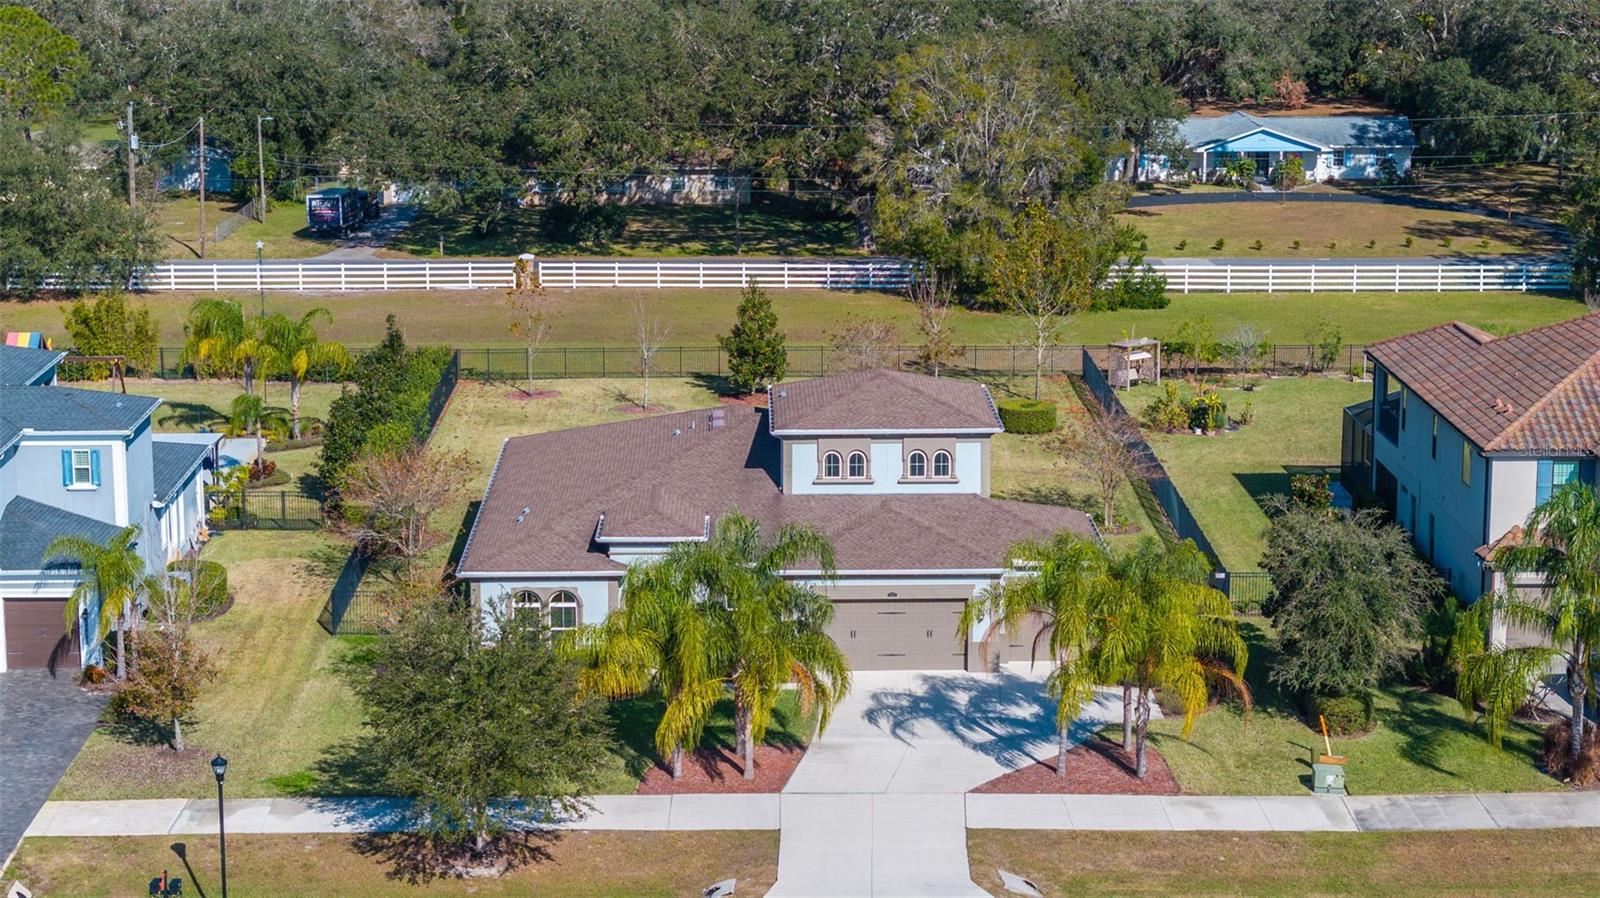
{"points": [[882, 400], [662, 476], [1536, 391]]}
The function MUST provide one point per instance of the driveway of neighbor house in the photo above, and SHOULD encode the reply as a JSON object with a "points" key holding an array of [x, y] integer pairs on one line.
{"points": [[877, 806], [43, 722]]}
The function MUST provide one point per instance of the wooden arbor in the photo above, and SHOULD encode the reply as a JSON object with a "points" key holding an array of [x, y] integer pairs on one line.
{"points": [[1135, 360]]}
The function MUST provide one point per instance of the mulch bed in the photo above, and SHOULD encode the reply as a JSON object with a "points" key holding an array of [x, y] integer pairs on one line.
{"points": [[719, 770], [1094, 768], [525, 396]]}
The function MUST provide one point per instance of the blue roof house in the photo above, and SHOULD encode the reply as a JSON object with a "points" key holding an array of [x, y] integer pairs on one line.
{"points": [[1332, 147], [81, 463]]}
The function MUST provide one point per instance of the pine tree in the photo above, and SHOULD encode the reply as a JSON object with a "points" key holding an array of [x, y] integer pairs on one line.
{"points": [[756, 355]]}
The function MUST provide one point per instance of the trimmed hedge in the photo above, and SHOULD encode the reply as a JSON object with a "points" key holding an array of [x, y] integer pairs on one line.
{"points": [[388, 408], [211, 586], [1027, 415], [1346, 714]]}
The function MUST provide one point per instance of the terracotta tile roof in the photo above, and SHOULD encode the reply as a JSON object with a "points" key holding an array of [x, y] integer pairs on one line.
{"points": [[883, 400], [661, 476], [1536, 391]]}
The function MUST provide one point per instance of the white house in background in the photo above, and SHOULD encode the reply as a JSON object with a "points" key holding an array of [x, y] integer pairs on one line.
{"points": [[893, 467], [1332, 147], [81, 463], [684, 186]]}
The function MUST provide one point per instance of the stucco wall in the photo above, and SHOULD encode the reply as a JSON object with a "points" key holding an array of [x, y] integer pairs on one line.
{"points": [[593, 594], [886, 469], [37, 472]]}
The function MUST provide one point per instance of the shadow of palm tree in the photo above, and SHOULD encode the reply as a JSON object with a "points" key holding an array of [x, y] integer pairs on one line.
{"points": [[191, 416]]}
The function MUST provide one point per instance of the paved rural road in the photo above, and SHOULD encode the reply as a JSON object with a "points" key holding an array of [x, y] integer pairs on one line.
{"points": [[43, 723]]}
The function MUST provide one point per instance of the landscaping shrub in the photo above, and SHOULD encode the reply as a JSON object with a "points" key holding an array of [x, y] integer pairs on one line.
{"points": [[1432, 665], [1221, 242], [261, 470], [1208, 412], [1027, 415], [1169, 413], [1294, 245], [389, 404], [1345, 714], [1409, 242], [1310, 491], [1553, 752], [211, 585], [1247, 413]]}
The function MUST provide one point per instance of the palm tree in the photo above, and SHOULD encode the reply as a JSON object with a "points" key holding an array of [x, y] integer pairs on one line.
{"points": [[250, 414], [213, 329], [776, 628], [1561, 547], [112, 572], [1162, 627], [296, 349], [660, 638], [1057, 585]]}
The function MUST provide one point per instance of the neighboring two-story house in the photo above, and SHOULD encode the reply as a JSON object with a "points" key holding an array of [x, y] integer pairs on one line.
{"points": [[1467, 432], [893, 467], [83, 463]]}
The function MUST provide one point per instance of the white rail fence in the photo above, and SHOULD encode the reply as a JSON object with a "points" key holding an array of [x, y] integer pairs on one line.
{"points": [[827, 274], [1352, 277]]}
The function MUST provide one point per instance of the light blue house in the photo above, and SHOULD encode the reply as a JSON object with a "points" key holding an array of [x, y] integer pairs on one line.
{"points": [[84, 463], [1467, 432], [1332, 147]]}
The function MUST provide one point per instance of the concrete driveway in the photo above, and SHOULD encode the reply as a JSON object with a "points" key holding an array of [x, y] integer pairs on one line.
{"points": [[43, 722], [937, 732]]}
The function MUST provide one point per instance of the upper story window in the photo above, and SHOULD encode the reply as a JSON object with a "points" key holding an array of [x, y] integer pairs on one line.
{"points": [[917, 465], [80, 468], [858, 465], [562, 611], [941, 464], [1553, 475], [523, 599], [830, 465]]}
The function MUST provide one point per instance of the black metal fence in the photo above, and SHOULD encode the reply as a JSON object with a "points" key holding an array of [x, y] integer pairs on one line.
{"points": [[266, 510], [1247, 589], [355, 604], [443, 390]]}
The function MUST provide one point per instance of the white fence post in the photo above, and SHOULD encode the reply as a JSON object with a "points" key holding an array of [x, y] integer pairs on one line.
{"points": [[658, 274], [341, 276], [1269, 277]]}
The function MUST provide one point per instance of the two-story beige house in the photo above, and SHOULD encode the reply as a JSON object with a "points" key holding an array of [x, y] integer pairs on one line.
{"points": [[893, 467]]}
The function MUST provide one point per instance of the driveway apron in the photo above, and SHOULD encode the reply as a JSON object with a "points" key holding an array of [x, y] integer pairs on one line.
{"points": [[44, 720]]}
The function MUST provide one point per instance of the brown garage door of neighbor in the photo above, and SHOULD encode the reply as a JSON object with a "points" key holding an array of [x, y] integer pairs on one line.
{"points": [[904, 634], [36, 635]]}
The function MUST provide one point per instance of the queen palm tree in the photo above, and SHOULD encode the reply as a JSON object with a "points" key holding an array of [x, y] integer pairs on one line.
{"points": [[1561, 547], [1058, 585], [659, 639], [249, 414], [1162, 627], [113, 573], [296, 348]]}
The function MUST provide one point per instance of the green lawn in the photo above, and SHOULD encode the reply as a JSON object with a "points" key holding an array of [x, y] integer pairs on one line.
{"points": [[604, 317], [1225, 479], [568, 865], [762, 229], [1506, 864], [1423, 742], [284, 234], [1328, 230], [193, 405]]}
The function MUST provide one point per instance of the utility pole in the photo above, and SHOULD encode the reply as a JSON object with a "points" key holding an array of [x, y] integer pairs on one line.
{"points": [[261, 171], [133, 145], [202, 187]]}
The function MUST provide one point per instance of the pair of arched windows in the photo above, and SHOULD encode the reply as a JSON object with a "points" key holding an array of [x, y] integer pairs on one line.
{"points": [[834, 466], [917, 465], [561, 608]]}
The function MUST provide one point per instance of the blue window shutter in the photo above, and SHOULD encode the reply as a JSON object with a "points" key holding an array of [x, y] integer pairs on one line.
{"points": [[1541, 492], [66, 467], [94, 466]]}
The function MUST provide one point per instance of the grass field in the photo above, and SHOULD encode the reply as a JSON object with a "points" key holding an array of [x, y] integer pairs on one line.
{"points": [[284, 234], [1423, 742], [570, 865], [762, 229], [1225, 479], [808, 317], [1329, 230], [191, 405], [1517, 864]]}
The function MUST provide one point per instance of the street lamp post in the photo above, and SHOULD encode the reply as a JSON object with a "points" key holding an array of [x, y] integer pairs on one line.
{"points": [[261, 288], [219, 766], [261, 171]]}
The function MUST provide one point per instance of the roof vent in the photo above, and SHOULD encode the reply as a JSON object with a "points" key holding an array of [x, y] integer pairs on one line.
{"points": [[522, 514], [783, 394], [677, 431]]}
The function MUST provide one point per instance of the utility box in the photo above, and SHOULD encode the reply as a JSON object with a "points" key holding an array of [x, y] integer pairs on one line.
{"points": [[1327, 776]]}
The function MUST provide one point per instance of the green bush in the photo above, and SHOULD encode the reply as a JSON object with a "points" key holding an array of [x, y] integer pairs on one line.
{"points": [[389, 404], [1208, 412], [211, 585], [1169, 413], [1027, 415], [1346, 714], [1310, 490]]}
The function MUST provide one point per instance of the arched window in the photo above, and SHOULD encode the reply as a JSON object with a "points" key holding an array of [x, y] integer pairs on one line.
{"points": [[858, 466], [916, 465], [523, 599], [830, 465], [562, 611], [941, 464]]}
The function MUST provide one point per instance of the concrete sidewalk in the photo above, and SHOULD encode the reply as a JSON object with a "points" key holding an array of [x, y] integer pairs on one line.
{"points": [[1280, 813]]}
